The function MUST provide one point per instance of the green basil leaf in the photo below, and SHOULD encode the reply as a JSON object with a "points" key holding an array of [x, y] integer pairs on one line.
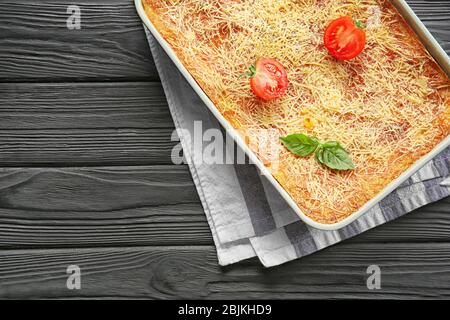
{"points": [[300, 144], [334, 156]]}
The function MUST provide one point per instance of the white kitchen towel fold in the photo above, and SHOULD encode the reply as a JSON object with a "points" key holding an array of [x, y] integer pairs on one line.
{"points": [[247, 216], [446, 182]]}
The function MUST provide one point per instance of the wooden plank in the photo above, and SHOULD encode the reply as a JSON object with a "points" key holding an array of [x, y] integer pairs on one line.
{"points": [[36, 44], [76, 207], [407, 271], [84, 124], [86, 147], [142, 206], [134, 105], [147, 225], [435, 15]]}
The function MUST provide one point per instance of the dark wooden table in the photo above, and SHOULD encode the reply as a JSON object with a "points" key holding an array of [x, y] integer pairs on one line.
{"points": [[86, 179]]}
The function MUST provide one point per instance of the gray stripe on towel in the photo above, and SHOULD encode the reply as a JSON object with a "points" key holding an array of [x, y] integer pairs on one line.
{"points": [[433, 190], [392, 206], [300, 238], [253, 191], [442, 163]]}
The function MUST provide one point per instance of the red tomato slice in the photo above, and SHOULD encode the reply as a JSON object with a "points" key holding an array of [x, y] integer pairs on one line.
{"points": [[344, 39], [269, 80]]}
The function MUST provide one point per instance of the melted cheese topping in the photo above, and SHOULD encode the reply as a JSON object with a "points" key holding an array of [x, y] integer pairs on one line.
{"points": [[388, 107]]}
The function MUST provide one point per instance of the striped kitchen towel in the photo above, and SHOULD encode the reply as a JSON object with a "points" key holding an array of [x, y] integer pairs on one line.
{"points": [[246, 214]]}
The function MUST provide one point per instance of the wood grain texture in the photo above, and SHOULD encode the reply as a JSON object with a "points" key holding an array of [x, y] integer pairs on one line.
{"points": [[84, 124], [408, 271], [135, 105], [141, 206], [86, 147], [137, 230], [77, 207], [435, 15], [35, 43]]}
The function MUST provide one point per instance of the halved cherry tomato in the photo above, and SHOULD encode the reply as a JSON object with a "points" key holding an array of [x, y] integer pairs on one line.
{"points": [[268, 79], [344, 39]]}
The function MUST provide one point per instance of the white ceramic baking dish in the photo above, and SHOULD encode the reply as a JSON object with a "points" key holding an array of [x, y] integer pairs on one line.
{"points": [[427, 39]]}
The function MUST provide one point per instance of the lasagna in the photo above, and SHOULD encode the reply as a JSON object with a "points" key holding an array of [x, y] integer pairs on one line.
{"points": [[389, 106]]}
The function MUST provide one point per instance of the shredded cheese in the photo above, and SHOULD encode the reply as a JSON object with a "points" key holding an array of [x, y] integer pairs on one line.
{"points": [[388, 107]]}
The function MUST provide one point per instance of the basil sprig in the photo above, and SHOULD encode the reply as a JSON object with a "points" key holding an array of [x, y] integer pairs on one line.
{"points": [[330, 154]]}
